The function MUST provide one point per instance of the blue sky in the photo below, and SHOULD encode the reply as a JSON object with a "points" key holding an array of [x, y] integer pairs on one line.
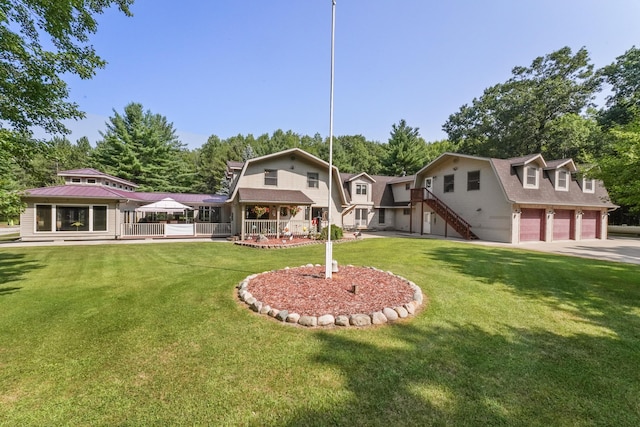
{"points": [[253, 66]]}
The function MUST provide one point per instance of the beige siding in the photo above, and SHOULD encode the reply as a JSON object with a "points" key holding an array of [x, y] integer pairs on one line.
{"points": [[28, 224], [486, 209], [400, 193]]}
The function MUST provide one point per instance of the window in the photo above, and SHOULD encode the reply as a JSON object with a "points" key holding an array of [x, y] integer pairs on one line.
{"points": [[448, 183], [406, 211], [43, 217], [473, 180], [99, 218], [91, 181], [361, 188], [381, 216], [562, 180], [312, 179], [587, 185], [531, 178], [407, 186], [270, 177], [72, 218], [75, 180]]}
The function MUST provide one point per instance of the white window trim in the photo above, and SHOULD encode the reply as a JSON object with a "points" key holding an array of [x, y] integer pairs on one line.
{"points": [[566, 181], [54, 209], [584, 185], [526, 177]]}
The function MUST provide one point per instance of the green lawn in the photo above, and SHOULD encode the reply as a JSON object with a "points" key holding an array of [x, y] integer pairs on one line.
{"points": [[151, 334]]}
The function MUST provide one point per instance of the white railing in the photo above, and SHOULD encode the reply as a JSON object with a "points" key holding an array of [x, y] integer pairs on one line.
{"points": [[268, 227], [213, 229], [153, 229], [142, 229]]}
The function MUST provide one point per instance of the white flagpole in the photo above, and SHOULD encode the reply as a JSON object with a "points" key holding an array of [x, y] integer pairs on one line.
{"points": [[329, 244]]}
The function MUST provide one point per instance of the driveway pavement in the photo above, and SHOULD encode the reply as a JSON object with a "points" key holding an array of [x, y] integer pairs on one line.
{"points": [[618, 249]]}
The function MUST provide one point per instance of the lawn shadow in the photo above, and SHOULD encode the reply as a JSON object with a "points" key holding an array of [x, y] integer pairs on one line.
{"points": [[603, 293], [12, 268], [456, 374]]}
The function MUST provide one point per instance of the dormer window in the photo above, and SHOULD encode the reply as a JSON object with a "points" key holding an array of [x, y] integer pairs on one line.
{"points": [[75, 180], [531, 177], [588, 185], [562, 180], [361, 189]]}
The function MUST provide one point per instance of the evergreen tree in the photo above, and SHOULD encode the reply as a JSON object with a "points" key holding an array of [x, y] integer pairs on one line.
{"points": [[406, 152], [142, 147]]}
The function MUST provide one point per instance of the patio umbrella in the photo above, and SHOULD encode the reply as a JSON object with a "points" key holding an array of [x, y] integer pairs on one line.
{"points": [[167, 205]]}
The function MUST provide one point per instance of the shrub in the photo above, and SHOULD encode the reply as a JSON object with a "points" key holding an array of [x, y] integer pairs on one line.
{"points": [[336, 233]]}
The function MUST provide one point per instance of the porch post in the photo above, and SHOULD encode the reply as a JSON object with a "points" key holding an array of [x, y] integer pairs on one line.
{"points": [[242, 214], [277, 222]]}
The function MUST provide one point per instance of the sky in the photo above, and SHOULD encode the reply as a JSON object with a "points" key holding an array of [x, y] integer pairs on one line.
{"points": [[224, 68]]}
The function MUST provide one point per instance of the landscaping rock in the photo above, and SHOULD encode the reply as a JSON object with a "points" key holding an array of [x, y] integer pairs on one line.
{"points": [[282, 315], [265, 309], [273, 312], [378, 318], [256, 306], [342, 320], [390, 313], [326, 320], [293, 318], [410, 307], [417, 296], [250, 300], [308, 321], [402, 312], [360, 320]]}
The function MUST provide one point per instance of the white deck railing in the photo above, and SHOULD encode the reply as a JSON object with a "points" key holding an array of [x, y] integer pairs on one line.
{"points": [[152, 229], [213, 229]]}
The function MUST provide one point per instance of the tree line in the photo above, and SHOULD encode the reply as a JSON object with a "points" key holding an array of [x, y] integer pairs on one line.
{"points": [[546, 107]]}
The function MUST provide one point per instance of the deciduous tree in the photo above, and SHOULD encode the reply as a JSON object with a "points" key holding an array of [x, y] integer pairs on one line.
{"points": [[32, 89]]}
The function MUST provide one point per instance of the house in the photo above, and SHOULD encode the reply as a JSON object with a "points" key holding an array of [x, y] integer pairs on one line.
{"points": [[287, 193], [508, 200], [284, 193]]}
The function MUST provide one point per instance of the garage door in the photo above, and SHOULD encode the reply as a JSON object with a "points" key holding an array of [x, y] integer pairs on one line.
{"points": [[590, 225], [531, 225], [563, 224]]}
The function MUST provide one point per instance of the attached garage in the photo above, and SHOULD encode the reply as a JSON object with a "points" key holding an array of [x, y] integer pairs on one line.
{"points": [[531, 225], [563, 224], [590, 225]]}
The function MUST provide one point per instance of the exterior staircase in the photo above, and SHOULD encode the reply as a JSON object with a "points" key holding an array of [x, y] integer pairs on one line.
{"points": [[462, 227]]}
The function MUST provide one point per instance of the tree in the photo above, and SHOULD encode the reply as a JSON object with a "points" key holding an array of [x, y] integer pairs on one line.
{"points": [[623, 105], [406, 152], [521, 116], [619, 166], [32, 92], [143, 147]]}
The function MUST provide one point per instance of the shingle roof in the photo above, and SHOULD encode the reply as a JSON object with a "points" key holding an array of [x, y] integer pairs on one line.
{"points": [[260, 195], [546, 193]]}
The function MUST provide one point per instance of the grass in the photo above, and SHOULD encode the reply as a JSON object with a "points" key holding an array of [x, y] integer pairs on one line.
{"points": [[152, 335]]}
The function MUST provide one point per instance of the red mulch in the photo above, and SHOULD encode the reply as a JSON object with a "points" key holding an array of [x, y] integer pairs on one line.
{"points": [[304, 290], [273, 243]]}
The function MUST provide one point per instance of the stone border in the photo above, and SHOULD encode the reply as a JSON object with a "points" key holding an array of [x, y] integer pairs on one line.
{"points": [[387, 314]]}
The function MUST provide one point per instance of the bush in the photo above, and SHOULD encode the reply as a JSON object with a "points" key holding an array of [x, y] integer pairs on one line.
{"points": [[336, 233]]}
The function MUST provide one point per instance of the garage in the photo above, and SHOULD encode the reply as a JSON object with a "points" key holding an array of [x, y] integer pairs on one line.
{"points": [[590, 225], [563, 224], [531, 225]]}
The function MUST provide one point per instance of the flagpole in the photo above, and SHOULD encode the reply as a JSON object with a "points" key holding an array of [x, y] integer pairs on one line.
{"points": [[329, 244]]}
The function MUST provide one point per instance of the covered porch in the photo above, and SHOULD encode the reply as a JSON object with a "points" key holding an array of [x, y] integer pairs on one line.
{"points": [[276, 213]]}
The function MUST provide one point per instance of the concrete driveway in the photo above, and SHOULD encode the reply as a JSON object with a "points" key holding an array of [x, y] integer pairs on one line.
{"points": [[618, 249]]}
